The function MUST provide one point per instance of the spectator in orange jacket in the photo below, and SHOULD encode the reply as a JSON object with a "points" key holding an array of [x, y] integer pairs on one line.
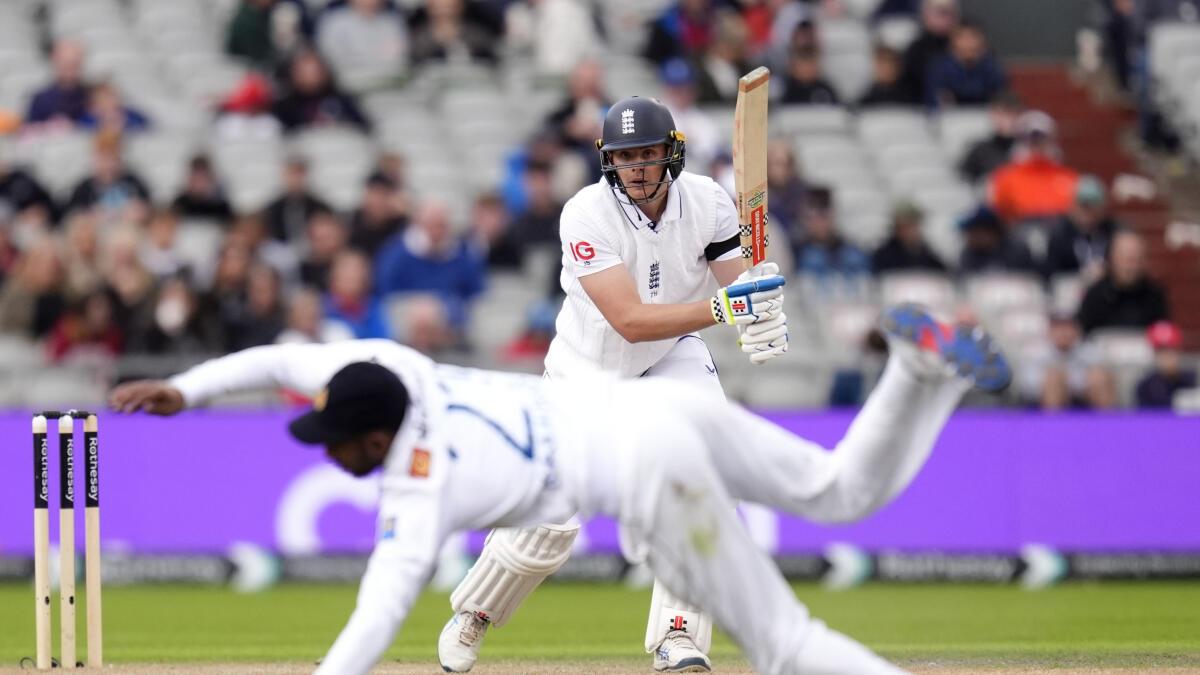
{"points": [[1035, 184]]}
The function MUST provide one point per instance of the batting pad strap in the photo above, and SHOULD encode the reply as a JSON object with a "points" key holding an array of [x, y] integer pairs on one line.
{"points": [[669, 613], [513, 563]]}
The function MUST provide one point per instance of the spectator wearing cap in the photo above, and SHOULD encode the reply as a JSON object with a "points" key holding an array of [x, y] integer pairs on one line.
{"points": [[117, 193], [938, 19], [376, 220], [1065, 372], [202, 195], [886, 87], [64, 101], [245, 112], [993, 152], [906, 249], [106, 112], [1125, 297], [1035, 184], [967, 75], [1157, 389], [288, 216], [704, 139], [804, 83], [312, 99], [989, 247], [428, 257], [821, 253], [1078, 241], [365, 42]]}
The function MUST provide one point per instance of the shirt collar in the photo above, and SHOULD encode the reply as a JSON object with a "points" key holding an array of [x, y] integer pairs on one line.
{"points": [[634, 215]]}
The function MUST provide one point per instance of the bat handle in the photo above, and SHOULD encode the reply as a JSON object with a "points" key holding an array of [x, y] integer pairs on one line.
{"points": [[755, 285]]}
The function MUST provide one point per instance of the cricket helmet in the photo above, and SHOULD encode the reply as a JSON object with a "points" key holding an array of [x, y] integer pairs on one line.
{"points": [[639, 122]]}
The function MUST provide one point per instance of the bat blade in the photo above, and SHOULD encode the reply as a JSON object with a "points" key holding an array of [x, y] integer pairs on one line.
{"points": [[750, 163]]}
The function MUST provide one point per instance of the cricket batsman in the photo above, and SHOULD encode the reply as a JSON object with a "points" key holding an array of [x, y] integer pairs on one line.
{"points": [[461, 449], [639, 251]]}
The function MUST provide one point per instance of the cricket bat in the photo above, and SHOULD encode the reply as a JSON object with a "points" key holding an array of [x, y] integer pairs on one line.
{"points": [[750, 164]]}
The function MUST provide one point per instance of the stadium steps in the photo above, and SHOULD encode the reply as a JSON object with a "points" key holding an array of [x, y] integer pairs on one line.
{"points": [[1090, 134]]}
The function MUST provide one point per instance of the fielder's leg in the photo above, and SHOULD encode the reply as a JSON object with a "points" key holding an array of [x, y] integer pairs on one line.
{"points": [[930, 368], [513, 563], [700, 550]]}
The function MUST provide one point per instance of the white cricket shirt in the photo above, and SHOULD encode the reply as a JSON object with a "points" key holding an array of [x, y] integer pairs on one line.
{"points": [[667, 260]]}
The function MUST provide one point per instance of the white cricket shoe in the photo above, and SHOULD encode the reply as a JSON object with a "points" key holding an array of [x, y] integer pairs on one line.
{"points": [[461, 640], [678, 654]]}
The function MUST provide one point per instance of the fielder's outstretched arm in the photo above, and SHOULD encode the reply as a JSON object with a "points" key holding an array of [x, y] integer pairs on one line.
{"points": [[302, 368], [403, 559]]}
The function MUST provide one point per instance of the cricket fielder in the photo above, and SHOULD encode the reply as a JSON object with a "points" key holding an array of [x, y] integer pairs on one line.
{"points": [[639, 251], [463, 449]]}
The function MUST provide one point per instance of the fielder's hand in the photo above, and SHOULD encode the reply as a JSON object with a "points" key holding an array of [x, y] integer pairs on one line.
{"points": [[755, 296], [153, 396]]}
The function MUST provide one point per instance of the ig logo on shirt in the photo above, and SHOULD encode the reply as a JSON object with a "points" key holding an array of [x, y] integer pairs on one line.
{"points": [[583, 252]]}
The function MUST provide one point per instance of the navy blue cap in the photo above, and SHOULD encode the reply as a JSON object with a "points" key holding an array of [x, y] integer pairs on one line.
{"points": [[362, 397]]}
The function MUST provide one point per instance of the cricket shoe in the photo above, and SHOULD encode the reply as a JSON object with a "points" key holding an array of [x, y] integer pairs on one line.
{"points": [[461, 640], [933, 347], [678, 654]]}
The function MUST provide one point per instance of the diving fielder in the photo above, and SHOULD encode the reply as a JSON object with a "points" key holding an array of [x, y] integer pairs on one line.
{"points": [[463, 449], [640, 248]]}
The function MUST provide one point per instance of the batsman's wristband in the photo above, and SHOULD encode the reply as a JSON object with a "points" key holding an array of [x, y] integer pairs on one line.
{"points": [[722, 306]]}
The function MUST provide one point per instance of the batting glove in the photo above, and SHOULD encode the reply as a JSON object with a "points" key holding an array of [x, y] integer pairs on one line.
{"points": [[756, 295], [764, 340]]}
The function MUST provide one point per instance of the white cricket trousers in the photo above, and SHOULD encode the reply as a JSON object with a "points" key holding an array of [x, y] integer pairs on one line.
{"points": [[683, 463]]}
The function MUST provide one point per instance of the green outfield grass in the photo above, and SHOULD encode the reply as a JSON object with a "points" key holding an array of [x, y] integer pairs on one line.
{"points": [[1111, 624]]}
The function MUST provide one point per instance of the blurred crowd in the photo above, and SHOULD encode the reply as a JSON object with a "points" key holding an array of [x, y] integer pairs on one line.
{"points": [[104, 271], [1127, 25]]}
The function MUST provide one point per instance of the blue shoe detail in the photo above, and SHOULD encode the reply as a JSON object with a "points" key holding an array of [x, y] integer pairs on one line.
{"points": [[968, 350], [692, 665]]}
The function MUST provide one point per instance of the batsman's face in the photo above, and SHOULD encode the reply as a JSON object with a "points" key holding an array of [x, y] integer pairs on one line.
{"points": [[640, 181]]}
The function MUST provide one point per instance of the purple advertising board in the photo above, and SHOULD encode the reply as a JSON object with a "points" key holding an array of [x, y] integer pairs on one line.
{"points": [[996, 481]]}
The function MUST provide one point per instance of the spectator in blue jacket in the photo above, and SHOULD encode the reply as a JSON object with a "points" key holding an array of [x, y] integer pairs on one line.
{"points": [[107, 112], [427, 256], [821, 253], [350, 300], [65, 100], [968, 74]]}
